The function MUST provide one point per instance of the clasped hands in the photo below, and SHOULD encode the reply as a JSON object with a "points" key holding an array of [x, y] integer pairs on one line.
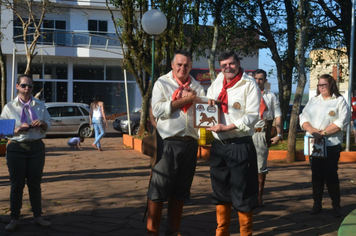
{"points": [[26, 127]]}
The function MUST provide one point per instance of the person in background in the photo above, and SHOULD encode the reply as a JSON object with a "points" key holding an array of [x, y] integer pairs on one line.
{"points": [[353, 118], [269, 110], [326, 115], [233, 158], [75, 142], [172, 98], [98, 119], [25, 151]]}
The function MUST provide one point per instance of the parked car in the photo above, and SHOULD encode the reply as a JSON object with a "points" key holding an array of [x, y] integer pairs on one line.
{"points": [[69, 119], [121, 123]]}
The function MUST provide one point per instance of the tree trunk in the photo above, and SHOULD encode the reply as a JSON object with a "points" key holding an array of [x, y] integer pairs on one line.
{"points": [[211, 60], [3, 79], [303, 11]]}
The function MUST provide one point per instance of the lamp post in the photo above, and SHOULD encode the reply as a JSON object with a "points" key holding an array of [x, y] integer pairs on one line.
{"points": [[154, 22]]}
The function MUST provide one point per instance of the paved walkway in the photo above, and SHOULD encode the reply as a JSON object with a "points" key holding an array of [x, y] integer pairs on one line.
{"points": [[92, 193]]}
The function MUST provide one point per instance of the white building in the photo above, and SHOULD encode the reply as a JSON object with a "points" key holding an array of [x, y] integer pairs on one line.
{"points": [[78, 57]]}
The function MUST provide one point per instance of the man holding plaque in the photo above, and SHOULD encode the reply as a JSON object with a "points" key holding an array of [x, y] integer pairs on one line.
{"points": [[269, 110], [233, 160], [172, 98]]}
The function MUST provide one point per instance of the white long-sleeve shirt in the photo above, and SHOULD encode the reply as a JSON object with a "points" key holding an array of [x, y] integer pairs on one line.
{"points": [[13, 110], [243, 106], [175, 123], [320, 113]]}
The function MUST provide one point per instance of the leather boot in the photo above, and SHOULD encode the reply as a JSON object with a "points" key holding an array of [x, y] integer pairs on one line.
{"points": [[261, 186], [174, 216], [154, 214], [318, 190], [246, 222], [223, 215], [334, 192]]}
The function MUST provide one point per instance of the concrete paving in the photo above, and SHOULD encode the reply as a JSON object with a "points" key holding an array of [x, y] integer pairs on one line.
{"points": [[92, 193]]}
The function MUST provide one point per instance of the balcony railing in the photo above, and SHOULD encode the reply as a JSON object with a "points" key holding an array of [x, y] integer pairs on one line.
{"points": [[71, 38]]}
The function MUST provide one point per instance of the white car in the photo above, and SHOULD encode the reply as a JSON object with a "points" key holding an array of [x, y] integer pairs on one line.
{"points": [[69, 118]]}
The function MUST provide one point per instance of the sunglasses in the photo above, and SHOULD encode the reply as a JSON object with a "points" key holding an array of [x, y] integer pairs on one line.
{"points": [[26, 85]]}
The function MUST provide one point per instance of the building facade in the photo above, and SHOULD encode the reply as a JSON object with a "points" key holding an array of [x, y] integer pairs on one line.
{"points": [[333, 62], [78, 56]]}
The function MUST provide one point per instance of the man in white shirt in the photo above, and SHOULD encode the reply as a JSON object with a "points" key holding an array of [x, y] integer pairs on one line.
{"points": [[269, 110], [172, 98], [233, 160]]}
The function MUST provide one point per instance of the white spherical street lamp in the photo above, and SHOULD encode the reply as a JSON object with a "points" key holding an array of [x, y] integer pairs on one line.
{"points": [[154, 22]]}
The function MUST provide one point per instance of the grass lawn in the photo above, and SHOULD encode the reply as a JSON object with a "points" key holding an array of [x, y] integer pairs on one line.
{"points": [[300, 143]]}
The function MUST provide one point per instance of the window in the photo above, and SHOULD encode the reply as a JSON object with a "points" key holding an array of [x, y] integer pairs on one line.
{"points": [[85, 112], [54, 111], [97, 26], [70, 111]]}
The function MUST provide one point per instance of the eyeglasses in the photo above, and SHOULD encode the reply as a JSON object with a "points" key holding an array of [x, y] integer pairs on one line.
{"points": [[322, 85], [26, 85]]}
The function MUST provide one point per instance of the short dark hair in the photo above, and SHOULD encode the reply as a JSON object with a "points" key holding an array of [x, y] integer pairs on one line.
{"points": [[333, 87], [81, 139], [226, 55], [182, 52], [260, 71], [23, 75]]}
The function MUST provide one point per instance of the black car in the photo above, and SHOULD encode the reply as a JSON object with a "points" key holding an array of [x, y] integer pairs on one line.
{"points": [[121, 123]]}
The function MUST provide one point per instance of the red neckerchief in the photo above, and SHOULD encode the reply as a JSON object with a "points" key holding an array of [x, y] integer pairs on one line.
{"points": [[179, 91], [262, 106], [223, 94]]}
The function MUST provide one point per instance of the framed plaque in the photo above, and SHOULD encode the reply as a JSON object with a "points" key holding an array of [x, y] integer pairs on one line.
{"points": [[314, 149], [205, 116]]}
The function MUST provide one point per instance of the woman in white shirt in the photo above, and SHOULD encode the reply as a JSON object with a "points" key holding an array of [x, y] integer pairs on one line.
{"points": [[97, 119], [326, 115]]}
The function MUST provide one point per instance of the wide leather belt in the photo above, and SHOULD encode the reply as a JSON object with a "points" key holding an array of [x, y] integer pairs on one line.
{"points": [[30, 142], [179, 138], [256, 130], [234, 140]]}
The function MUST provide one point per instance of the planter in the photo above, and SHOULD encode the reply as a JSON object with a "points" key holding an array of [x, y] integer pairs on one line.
{"points": [[2, 149], [127, 140], [137, 144]]}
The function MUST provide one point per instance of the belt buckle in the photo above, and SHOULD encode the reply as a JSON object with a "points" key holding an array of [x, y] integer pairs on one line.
{"points": [[223, 142]]}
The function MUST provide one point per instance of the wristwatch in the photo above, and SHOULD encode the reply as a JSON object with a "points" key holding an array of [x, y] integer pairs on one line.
{"points": [[279, 135]]}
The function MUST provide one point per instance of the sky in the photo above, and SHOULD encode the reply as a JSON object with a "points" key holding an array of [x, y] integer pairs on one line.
{"points": [[266, 63]]}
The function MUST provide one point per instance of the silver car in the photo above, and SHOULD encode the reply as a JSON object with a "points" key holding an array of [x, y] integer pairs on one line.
{"points": [[69, 118]]}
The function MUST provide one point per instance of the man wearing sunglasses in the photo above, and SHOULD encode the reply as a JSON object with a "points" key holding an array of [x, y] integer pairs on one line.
{"points": [[25, 152]]}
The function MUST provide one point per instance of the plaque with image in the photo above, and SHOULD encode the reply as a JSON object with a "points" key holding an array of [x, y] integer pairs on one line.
{"points": [[206, 116]]}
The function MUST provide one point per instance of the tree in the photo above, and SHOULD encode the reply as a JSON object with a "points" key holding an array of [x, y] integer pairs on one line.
{"points": [[3, 78], [30, 14], [275, 22], [136, 43], [304, 15]]}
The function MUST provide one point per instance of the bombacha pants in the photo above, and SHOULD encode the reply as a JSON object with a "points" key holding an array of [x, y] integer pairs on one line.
{"points": [[25, 161]]}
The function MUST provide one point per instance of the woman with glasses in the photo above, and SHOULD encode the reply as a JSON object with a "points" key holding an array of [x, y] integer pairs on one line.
{"points": [[326, 115], [25, 151]]}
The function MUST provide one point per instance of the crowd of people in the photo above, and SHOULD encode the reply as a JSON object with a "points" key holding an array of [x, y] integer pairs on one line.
{"points": [[238, 156]]}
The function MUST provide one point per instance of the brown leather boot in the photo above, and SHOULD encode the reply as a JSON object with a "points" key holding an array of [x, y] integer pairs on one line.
{"points": [[261, 186], [246, 221], [174, 216], [154, 214], [223, 215]]}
